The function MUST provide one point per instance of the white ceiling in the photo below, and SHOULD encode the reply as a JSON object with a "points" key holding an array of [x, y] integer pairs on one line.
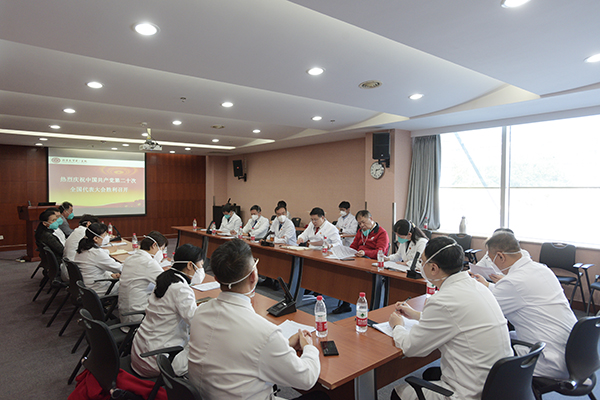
{"points": [[473, 60]]}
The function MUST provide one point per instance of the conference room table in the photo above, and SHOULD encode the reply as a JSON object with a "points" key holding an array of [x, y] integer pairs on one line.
{"points": [[309, 269]]}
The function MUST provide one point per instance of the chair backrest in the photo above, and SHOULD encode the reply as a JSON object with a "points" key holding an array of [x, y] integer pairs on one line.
{"points": [[74, 277], [91, 302], [558, 255], [296, 221], [103, 359], [427, 233], [463, 239], [511, 377], [177, 388], [581, 353], [40, 249], [273, 217], [52, 264]]}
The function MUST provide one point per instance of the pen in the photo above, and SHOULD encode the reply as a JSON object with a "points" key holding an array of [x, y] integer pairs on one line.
{"points": [[404, 302]]}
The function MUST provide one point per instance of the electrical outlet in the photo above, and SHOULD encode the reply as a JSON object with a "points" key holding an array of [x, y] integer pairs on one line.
{"points": [[1, 237]]}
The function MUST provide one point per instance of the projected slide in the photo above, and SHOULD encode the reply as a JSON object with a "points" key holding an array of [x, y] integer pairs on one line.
{"points": [[98, 182]]}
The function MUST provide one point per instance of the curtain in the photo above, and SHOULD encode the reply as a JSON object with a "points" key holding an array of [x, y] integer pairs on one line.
{"points": [[424, 186]]}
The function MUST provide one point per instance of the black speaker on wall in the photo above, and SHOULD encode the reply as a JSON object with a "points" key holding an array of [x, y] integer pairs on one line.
{"points": [[381, 145], [238, 170]]}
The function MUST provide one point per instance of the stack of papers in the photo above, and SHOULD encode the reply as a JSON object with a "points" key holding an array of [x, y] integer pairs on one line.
{"points": [[394, 266], [387, 329], [485, 270], [120, 251], [295, 248], [203, 287], [289, 328], [339, 252]]}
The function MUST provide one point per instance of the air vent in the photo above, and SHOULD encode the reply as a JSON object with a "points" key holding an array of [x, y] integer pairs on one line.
{"points": [[218, 126], [370, 84]]}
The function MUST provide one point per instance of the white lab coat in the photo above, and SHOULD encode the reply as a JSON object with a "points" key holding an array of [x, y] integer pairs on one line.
{"points": [[237, 354], [137, 282], [466, 324], [284, 233], [232, 224], [167, 324], [408, 254], [257, 228], [73, 242], [326, 230], [96, 263], [347, 225], [60, 235], [534, 302]]}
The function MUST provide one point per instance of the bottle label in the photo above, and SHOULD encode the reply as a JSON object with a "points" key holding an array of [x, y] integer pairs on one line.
{"points": [[430, 289], [380, 264], [361, 321], [321, 326]]}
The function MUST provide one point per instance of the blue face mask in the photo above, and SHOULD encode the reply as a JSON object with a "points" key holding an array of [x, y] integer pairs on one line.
{"points": [[400, 240], [71, 216], [227, 216], [59, 222], [366, 232], [54, 225]]}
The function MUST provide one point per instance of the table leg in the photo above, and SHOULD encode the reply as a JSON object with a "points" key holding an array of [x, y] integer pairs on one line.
{"points": [[296, 277], [365, 386]]}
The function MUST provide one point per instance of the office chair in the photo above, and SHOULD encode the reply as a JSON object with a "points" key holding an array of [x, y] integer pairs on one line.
{"points": [[464, 241], [40, 265], [44, 264], [273, 217], [53, 274], [427, 233], [581, 356], [509, 378], [296, 221], [73, 289], [593, 286], [177, 388], [562, 256]]}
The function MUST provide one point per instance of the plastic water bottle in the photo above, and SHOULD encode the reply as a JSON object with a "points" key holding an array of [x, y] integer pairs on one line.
{"points": [[462, 228], [426, 223], [194, 224], [134, 242], [240, 232], [325, 246], [362, 313], [430, 289], [380, 260], [110, 229], [252, 235], [321, 317]]}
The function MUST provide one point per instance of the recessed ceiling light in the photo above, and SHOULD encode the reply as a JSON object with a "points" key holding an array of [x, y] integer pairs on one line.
{"points": [[593, 59], [227, 104], [172, 152], [55, 126], [317, 118], [187, 148], [43, 139], [144, 134], [513, 3], [113, 148], [256, 131], [94, 85], [415, 96], [125, 145], [69, 110], [39, 144], [369, 84], [315, 71], [176, 122], [215, 140], [146, 29]]}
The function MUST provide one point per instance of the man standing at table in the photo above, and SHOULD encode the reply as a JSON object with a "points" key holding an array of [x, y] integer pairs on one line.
{"points": [[234, 352], [283, 228], [346, 223], [370, 238], [257, 225], [231, 222], [318, 229]]}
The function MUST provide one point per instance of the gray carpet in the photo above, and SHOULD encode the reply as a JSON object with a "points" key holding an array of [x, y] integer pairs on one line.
{"points": [[36, 363]]}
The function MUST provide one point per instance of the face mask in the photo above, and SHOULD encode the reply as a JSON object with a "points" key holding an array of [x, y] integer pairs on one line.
{"points": [[198, 276], [54, 225], [158, 256], [366, 232], [254, 217], [281, 218], [494, 260], [71, 216], [343, 213], [105, 239], [423, 269], [401, 240], [227, 216], [250, 293], [60, 221]]}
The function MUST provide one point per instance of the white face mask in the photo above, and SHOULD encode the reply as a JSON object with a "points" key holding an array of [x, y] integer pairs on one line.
{"points": [[254, 217], [198, 276], [494, 260], [158, 256], [423, 267], [105, 239], [281, 218], [343, 213]]}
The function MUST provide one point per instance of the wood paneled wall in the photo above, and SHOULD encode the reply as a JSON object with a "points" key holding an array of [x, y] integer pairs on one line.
{"points": [[175, 193]]}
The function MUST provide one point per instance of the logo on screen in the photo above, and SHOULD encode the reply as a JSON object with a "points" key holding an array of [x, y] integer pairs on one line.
{"points": [[55, 160]]}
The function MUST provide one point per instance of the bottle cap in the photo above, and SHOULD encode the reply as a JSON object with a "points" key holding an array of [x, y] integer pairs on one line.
{"points": [[319, 298], [362, 294]]}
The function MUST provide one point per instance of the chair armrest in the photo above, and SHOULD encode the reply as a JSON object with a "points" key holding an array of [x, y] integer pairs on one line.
{"points": [[125, 324], [109, 297], [514, 342], [587, 266], [171, 351], [106, 280], [418, 383], [132, 312], [472, 251]]}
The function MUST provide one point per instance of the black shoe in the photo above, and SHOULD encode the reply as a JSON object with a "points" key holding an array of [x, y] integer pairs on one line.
{"points": [[344, 308]]}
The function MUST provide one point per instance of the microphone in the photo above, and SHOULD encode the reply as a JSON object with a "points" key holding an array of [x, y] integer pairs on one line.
{"points": [[118, 237], [412, 272]]}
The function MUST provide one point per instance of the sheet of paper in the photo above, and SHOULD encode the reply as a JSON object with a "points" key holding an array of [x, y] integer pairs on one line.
{"points": [[113, 244], [387, 329], [203, 287], [288, 328], [298, 248], [338, 252], [394, 266], [120, 251], [484, 270]]}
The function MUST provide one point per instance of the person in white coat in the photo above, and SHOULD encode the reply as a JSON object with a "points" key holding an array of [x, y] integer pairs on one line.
{"points": [[346, 223], [411, 240], [283, 228], [234, 352], [139, 274], [170, 310], [533, 301], [257, 225], [95, 262], [318, 229], [486, 261], [78, 233], [463, 320], [231, 222]]}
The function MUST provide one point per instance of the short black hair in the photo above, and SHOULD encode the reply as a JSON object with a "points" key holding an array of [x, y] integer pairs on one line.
{"points": [[256, 208], [147, 243], [318, 212], [227, 208], [230, 261], [281, 203], [46, 214], [451, 259], [64, 206], [344, 204], [280, 206], [363, 214], [503, 230], [53, 209], [187, 252], [85, 218], [92, 231]]}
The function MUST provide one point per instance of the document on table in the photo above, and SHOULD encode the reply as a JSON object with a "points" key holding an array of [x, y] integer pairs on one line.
{"points": [[340, 252], [394, 266], [297, 248], [485, 270], [288, 328], [387, 329], [203, 287], [118, 252], [112, 244]]}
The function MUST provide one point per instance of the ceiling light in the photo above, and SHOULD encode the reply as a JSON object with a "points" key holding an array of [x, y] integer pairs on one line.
{"points": [[69, 110], [187, 148], [227, 104], [43, 139], [369, 84], [415, 96], [94, 85], [315, 71], [215, 140], [146, 29], [317, 118], [125, 145], [113, 148], [55, 126], [172, 152], [39, 144], [144, 134], [176, 122], [593, 59], [256, 131], [513, 3]]}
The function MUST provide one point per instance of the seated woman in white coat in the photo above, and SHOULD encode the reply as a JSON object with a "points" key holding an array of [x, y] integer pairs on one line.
{"points": [[463, 320], [411, 240], [139, 274], [95, 262], [169, 313]]}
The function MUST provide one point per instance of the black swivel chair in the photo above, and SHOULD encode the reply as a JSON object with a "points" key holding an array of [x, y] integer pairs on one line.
{"points": [[509, 378], [177, 388], [581, 356], [427, 233], [41, 264], [44, 265], [296, 221], [562, 256], [465, 242], [273, 217], [73, 289], [53, 273]]}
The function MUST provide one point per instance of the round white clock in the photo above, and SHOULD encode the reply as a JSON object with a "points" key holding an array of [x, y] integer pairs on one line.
{"points": [[377, 170]]}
